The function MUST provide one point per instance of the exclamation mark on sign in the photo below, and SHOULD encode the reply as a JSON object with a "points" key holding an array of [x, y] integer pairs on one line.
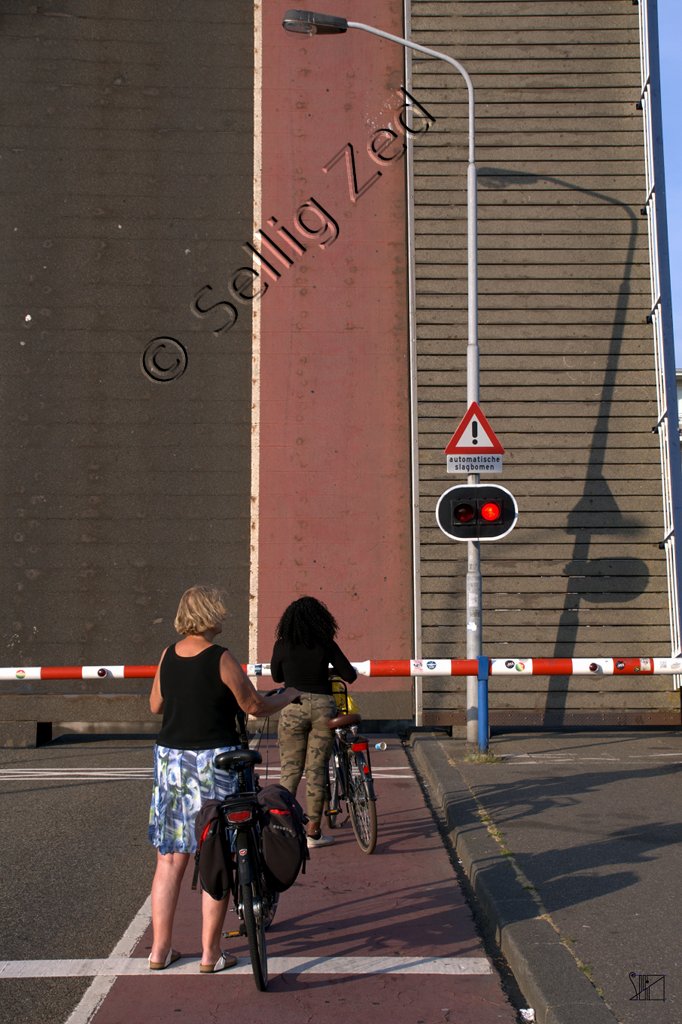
{"points": [[474, 431]]}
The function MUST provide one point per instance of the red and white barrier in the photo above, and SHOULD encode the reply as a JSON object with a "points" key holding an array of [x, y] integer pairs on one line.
{"points": [[524, 666], [36, 674], [421, 667]]}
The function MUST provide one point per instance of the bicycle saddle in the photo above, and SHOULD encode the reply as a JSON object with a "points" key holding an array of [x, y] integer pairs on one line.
{"points": [[344, 721], [228, 760]]}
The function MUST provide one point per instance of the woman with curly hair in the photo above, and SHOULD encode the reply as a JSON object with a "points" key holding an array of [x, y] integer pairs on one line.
{"points": [[200, 689], [305, 647]]}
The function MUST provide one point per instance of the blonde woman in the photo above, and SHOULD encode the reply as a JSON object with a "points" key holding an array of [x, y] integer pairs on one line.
{"points": [[198, 688]]}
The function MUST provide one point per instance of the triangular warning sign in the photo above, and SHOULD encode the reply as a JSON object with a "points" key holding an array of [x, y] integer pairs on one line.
{"points": [[473, 435]]}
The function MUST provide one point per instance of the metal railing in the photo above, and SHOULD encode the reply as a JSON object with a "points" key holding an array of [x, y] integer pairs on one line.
{"points": [[667, 426]]}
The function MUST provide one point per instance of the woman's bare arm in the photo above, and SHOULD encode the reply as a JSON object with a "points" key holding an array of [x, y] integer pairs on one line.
{"points": [[155, 698], [250, 700]]}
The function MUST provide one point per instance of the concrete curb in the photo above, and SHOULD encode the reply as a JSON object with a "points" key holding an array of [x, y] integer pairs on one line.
{"points": [[545, 970]]}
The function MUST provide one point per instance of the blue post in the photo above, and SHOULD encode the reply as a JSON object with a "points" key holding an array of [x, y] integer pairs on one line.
{"points": [[483, 676]]}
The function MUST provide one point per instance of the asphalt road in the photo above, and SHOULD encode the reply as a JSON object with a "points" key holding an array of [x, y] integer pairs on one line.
{"points": [[74, 861]]}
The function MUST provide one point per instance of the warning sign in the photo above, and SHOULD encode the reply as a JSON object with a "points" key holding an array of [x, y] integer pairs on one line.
{"points": [[474, 435], [474, 447]]}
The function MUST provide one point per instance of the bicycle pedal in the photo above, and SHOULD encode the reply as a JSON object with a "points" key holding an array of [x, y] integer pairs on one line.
{"points": [[231, 935]]}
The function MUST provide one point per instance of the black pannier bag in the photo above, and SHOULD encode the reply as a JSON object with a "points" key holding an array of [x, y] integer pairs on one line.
{"points": [[285, 847], [213, 858]]}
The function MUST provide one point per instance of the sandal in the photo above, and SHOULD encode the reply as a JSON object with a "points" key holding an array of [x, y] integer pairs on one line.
{"points": [[158, 965], [225, 961]]}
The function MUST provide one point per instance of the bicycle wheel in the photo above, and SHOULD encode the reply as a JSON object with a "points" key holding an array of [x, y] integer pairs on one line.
{"points": [[362, 807], [254, 924]]}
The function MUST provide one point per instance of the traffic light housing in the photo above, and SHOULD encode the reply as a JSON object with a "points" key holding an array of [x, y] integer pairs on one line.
{"points": [[477, 512]]}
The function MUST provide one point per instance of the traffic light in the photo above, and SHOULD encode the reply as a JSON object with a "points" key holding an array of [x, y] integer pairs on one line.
{"points": [[477, 512]]}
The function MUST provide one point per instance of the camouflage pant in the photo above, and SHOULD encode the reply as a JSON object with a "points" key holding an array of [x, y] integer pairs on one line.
{"points": [[305, 740]]}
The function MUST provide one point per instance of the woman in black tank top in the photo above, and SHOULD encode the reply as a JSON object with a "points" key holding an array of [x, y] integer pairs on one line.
{"points": [[199, 688]]}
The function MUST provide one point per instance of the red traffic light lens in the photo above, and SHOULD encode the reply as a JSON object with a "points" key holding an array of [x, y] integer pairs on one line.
{"points": [[463, 513], [491, 511]]}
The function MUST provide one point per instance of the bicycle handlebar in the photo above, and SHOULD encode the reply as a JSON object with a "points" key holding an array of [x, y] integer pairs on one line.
{"points": [[281, 689]]}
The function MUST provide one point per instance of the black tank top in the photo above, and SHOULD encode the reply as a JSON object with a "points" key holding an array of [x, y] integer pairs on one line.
{"points": [[198, 709]]}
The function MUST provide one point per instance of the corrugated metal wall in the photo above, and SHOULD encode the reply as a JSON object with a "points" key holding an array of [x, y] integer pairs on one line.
{"points": [[567, 365]]}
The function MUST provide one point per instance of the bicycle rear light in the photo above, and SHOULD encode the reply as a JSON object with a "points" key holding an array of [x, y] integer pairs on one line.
{"points": [[238, 817], [360, 745]]}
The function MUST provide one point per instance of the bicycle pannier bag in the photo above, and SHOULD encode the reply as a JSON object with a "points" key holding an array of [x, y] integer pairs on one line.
{"points": [[213, 858], [285, 849]]}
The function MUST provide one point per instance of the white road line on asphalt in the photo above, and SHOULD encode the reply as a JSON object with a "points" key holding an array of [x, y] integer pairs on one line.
{"points": [[75, 771], [111, 775], [115, 774], [97, 992], [120, 966]]}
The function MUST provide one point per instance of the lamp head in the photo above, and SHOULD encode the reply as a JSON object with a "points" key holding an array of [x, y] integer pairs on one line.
{"points": [[311, 23]]}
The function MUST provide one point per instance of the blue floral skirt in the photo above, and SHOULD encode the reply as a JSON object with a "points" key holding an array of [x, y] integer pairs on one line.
{"points": [[183, 780]]}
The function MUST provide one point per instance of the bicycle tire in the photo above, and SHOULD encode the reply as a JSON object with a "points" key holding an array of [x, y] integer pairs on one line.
{"points": [[362, 808], [254, 925]]}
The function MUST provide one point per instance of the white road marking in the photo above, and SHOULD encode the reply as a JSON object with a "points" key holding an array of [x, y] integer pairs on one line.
{"points": [[98, 990], [121, 966], [116, 774], [73, 774], [76, 771]]}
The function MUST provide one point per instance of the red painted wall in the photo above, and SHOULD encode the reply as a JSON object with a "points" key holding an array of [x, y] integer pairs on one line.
{"points": [[334, 504]]}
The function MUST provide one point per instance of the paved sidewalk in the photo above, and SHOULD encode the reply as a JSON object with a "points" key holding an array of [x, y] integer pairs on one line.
{"points": [[571, 843]]}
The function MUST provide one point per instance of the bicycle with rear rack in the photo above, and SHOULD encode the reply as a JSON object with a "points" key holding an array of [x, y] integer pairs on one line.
{"points": [[254, 900], [349, 779]]}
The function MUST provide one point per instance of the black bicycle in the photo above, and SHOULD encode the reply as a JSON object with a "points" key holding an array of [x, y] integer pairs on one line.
{"points": [[253, 899], [349, 780]]}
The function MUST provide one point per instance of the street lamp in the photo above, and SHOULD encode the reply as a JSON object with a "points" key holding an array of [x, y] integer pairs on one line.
{"points": [[313, 23]]}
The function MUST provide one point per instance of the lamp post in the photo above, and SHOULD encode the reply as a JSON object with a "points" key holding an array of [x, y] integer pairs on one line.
{"points": [[312, 23]]}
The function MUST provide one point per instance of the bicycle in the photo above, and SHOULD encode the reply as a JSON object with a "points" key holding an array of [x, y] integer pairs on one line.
{"points": [[253, 899], [349, 779]]}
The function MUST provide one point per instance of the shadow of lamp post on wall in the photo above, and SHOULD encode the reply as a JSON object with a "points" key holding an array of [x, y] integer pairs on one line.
{"points": [[312, 23]]}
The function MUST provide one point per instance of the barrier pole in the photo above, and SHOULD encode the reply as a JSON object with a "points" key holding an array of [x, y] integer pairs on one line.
{"points": [[404, 667], [483, 729]]}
